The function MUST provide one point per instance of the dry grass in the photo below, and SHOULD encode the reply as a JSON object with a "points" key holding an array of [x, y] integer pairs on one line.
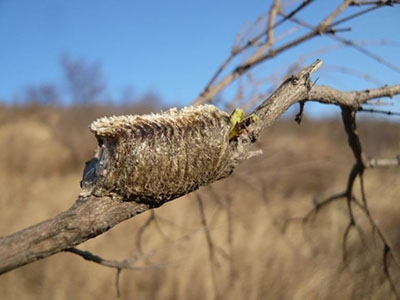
{"points": [[41, 161]]}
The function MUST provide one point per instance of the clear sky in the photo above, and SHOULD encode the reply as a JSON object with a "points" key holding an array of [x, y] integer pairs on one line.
{"points": [[171, 47]]}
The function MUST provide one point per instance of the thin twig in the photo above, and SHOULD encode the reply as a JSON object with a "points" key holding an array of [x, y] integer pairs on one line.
{"points": [[127, 264], [141, 231], [317, 206], [353, 16], [230, 236], [378, 2], [210, 245], [378, 111], [260, 56], [354, 45], [273, 12], [117, 276]]}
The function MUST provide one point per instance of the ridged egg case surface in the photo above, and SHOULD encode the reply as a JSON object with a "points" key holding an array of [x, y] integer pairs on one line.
{"points": [[158, 157]]}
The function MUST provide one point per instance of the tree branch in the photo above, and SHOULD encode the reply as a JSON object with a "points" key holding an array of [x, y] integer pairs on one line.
{"points": [[267, 52], [126, 264], [89, 217], [354, 99], [93, 215]]}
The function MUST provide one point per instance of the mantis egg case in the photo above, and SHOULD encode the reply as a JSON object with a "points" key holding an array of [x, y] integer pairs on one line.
{"points": [[159, 157]]}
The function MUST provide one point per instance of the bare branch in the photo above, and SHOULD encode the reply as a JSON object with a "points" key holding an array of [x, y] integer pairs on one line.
{"points": [[384, 162], [317, 206], [329, 19], [141, 231], [273, 12], [328, 95], [210, 245], [238, 49], [352, 44], [378, 2], [88, 217], [378, 111], [349, 121], [127, 264], [260, 56], [353, 16], [296, 88]]}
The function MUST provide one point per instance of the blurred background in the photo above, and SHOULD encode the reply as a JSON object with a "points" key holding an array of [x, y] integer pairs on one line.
{"points": [[64, 64]]}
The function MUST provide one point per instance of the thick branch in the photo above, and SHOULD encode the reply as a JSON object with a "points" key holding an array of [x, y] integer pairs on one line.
{"points": [[87, 218]]}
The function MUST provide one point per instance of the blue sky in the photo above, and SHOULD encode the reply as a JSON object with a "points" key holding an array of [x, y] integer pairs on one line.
{"points": [[171, 47]]}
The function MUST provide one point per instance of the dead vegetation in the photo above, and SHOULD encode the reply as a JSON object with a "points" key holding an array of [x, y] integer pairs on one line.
{"points": [[254, 258]]}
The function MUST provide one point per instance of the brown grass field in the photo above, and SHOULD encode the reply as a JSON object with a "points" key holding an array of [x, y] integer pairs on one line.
{"points": [[42, 156]]}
